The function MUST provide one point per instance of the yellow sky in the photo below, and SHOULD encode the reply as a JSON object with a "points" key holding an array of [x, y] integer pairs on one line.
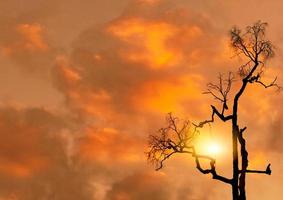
{"points": [[83, 84]]}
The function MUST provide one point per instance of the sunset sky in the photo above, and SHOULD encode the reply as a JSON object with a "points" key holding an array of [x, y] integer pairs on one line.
{"points": [[83, 84]]}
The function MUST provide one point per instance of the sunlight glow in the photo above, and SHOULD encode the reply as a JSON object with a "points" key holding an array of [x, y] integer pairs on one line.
{"points": [[213, 148], [210, 147]]}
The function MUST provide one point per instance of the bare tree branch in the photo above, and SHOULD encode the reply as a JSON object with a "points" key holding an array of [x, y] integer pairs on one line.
{"points": [[214, 111], [169, 140], [256, 79], [266, 171], [220, 91], [172, 140], [212, 169]]}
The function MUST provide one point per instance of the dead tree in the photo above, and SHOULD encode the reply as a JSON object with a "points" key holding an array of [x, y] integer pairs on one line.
{"points": [[178, 137]]}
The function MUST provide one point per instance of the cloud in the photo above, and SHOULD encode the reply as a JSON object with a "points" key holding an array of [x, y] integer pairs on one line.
{"points": [[134, 61], [21, 140], [141, 185], [34, 159], [149, 41], [30, 39], [110, 145], [26, 46]]}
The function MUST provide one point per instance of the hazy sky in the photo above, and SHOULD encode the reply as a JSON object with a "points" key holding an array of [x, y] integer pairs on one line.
{"points": [[83, 84]]}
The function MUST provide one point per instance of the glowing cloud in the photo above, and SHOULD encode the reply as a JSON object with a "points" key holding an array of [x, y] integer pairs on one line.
{"points": [[151, 42], [167, 95], [30, 37]]}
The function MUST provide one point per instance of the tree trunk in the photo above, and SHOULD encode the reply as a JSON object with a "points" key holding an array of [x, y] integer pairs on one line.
{"points": [[244, 154], [235, 180]]}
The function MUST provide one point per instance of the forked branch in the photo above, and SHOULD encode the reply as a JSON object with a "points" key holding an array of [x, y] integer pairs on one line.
{"points": [[214, 111]]}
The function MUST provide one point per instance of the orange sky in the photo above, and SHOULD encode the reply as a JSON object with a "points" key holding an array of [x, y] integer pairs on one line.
{"points": [[83, 84]]}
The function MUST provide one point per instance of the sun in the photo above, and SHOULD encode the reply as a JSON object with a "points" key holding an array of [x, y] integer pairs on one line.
{"points": [[209, 147], [213, 148]]}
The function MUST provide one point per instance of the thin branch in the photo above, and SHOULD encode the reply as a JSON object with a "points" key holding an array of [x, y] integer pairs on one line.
{"points": [[220, 91], [266, 171], [272, 84], [256, 79], [164, 159]]}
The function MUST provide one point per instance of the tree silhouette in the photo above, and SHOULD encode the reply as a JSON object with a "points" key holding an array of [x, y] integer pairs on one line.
{"points": [[178, 136]]}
